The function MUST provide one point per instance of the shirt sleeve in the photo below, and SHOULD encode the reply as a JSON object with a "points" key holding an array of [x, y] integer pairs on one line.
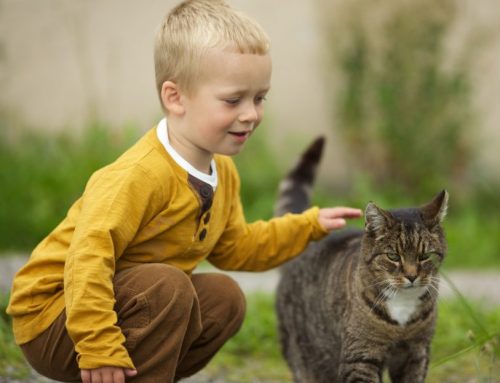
{"points": [[114, 206], [262, 245]]}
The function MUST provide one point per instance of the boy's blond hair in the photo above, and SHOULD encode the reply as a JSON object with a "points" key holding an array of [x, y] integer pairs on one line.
{"points": [[195, 26]]}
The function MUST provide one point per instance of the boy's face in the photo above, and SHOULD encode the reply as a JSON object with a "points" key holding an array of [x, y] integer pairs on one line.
{"points": [[227, 103]]}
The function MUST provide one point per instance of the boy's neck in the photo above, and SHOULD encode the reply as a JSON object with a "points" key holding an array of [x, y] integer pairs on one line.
{"points": [[196, 157]]}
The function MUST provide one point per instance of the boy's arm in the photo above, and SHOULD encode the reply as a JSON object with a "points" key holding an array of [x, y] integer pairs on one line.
{"points": [[263, 245], [113, 207]]}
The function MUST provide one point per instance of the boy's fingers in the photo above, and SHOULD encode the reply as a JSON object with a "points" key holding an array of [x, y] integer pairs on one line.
{"points": [[345, 212], [85, 374], [337, 223], [129, 372], [118, 376]]}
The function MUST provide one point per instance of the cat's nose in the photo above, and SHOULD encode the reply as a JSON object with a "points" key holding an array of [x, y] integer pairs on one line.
{"points": [[411, 278]]}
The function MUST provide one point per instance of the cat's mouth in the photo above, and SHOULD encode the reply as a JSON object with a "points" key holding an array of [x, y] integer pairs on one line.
{"points": [[409, 287]]}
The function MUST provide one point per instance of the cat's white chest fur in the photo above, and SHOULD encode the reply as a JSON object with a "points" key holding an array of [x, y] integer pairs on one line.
{"points": [[404, 303]]}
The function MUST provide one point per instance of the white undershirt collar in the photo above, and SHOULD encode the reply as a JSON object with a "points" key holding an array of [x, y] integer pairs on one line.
{"points": [[162, 133]]}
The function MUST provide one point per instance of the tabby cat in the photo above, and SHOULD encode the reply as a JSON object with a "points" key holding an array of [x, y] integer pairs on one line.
{"points": [[359, 302]]}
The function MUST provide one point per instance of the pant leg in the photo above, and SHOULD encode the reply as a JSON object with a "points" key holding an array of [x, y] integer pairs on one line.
{"points": [[158, 313], [222, 306], [160, 317], [52, 354]]}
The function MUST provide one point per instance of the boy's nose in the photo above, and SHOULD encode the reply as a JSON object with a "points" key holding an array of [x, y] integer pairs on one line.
{"points": [[249, 114]]}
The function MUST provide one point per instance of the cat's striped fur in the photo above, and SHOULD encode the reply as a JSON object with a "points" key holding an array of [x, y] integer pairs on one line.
{"points": [[358, 302]]}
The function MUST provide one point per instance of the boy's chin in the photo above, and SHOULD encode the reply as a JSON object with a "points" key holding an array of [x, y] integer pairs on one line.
{"points": [[231, 151]]}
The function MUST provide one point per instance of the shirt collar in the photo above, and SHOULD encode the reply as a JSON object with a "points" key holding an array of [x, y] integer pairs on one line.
{"points": [[162, 133]]}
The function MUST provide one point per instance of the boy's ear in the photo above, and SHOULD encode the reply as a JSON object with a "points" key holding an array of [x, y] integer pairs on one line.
{"points": [[171, 98]]}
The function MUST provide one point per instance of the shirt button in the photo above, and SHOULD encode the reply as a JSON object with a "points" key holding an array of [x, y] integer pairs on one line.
{"points": [[207, 218], [203, 234], [206, 191]]}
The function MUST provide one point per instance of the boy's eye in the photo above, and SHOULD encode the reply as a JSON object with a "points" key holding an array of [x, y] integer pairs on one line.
{"points": [[232, 101], [260, 99], [393, 257]]}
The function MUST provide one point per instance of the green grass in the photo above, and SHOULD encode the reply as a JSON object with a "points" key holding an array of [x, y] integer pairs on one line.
{"points": [[466, 345], [465, 348], [12, 363], [459, 350]]}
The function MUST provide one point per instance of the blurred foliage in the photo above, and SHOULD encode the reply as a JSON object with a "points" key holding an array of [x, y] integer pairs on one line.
{"points": [[402, 102], [42, 174], [260, 173], [404, 106]]}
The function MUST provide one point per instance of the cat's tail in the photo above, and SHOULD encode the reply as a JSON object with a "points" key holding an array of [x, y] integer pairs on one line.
{"points": [[295, 189]]}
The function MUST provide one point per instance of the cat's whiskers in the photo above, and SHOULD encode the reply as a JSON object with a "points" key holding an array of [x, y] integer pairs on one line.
{"points": [[433, 287], [434, 279], [379, 283], [431, 290], [386, 293], [379, 298]]}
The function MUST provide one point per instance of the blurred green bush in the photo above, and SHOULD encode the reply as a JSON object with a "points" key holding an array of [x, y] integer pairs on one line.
{"points": [[404, 104], [41, 175]]}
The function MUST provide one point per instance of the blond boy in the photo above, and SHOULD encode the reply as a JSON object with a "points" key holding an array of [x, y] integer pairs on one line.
{"points": [[110, 295]]}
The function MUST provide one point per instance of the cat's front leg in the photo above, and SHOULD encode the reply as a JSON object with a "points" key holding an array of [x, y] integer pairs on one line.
{"points": [[361, 368], [361, 361], [412, 365]]}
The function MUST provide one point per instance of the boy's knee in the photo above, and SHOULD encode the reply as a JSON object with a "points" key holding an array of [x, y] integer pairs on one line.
{"points": [[170, 284], [222, 294], [162, 285], [232, 296]]}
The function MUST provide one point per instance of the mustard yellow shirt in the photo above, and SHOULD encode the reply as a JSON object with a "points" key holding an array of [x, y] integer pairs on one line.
{"points": [[142, 208]]}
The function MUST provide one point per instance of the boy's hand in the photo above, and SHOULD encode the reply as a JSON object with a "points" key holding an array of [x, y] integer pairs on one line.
{"points": [[335, 217], [107, 375]]}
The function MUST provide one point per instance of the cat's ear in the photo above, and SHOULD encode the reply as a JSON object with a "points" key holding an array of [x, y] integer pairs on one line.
{"points": [[377, 220], [434, 212]]}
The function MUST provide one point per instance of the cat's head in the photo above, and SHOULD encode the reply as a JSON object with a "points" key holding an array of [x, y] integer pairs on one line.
{"points": [[404, 248]]}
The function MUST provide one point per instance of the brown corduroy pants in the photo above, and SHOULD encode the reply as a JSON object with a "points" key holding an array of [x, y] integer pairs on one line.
{"points": [[173, 324]]}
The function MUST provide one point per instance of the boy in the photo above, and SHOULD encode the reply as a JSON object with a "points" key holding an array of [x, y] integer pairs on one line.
{"points": [[110, 293]]}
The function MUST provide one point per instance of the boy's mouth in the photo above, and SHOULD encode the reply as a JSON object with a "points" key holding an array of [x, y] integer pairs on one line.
{"points": [[240, 134]]}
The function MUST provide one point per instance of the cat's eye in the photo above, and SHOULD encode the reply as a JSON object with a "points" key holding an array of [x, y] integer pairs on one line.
{"points": [[426, 256], [393, 257]]}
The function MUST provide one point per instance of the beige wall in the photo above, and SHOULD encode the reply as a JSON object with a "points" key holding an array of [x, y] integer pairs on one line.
{"points": [[64, 58]]}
